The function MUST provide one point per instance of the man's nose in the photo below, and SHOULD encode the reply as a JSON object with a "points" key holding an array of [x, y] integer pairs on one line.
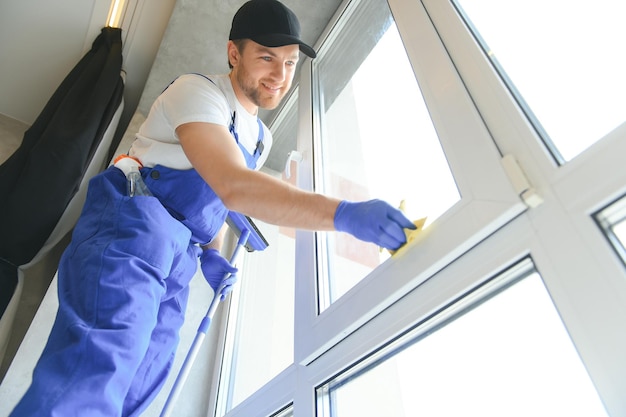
{"points": [[279, 71]]}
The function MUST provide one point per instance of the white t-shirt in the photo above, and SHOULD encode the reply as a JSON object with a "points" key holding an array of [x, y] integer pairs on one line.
{"points": [[193, 98]]}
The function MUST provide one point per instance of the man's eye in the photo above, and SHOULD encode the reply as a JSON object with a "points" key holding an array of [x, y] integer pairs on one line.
{"points": [[266, 58], [291, 63]]}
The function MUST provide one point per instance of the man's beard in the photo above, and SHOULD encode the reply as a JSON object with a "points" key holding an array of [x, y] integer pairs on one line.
{"points": [[254, 95]]}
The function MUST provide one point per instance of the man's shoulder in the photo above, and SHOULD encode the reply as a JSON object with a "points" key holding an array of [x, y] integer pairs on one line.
{"points": [[198, 88], [211, 82]]}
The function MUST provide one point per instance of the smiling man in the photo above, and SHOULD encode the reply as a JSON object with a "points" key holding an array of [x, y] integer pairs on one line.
{"points": [[261, 76], [124, 278]]}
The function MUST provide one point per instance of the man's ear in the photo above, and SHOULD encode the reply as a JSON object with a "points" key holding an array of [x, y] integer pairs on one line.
{"points": [[233, 53]]}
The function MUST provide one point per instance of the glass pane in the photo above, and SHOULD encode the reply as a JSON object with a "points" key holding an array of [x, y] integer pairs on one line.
{"points": [[509, 355], [260, 339], [612, 219], [262, 346], [563, 59], [263, 321], [377, 138]]}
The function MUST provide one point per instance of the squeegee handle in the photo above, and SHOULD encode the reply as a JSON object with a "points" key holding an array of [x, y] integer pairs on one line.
{"points": [[200, 335]]}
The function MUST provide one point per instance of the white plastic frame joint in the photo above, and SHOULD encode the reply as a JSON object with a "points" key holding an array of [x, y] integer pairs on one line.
{"points": [[520, 182]]}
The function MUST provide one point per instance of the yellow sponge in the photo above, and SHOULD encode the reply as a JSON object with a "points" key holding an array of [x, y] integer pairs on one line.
{"points": [[410, 234]]}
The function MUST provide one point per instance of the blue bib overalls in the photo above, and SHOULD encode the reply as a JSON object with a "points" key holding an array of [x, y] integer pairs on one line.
{"points": [[123, 289]]}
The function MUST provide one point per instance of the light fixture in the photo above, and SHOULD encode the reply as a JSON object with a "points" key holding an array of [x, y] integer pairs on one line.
{"points": [[116, 12]]}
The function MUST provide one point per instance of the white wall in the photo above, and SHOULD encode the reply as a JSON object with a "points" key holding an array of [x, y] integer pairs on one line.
{"points": [[40, 42]]}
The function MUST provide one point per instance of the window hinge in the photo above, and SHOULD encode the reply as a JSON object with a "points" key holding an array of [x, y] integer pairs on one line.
{"points": [[520, 182]]}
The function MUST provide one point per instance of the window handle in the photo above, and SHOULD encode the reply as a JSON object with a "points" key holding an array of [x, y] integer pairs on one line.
{"points": [[292, 156]]}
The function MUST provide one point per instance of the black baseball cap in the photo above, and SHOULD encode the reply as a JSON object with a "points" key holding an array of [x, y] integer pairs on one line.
{"points": [[269, 23]]}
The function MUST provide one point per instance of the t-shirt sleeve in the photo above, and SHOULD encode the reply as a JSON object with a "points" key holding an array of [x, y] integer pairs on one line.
{"points": [[193, 98]]}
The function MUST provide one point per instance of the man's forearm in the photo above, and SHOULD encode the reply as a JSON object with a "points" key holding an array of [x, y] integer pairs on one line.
{"points": [[219, 161]]}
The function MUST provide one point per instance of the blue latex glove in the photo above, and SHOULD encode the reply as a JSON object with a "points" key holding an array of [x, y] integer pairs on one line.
{"points": [[214, 268], [373, 221]]}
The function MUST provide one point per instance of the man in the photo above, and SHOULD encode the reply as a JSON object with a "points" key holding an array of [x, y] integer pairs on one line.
{"points": [[123, 280]]}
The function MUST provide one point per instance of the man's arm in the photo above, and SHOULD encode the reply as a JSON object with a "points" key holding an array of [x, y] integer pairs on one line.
{"points": [[218, 159]]}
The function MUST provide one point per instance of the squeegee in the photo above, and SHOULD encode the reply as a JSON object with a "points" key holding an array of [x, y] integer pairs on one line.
{"points": [[249, 237]]}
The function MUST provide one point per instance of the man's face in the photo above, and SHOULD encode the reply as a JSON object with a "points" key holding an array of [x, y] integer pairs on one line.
{"points": [[262, 74]]}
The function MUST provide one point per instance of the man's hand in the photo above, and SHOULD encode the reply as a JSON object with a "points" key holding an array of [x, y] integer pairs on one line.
{"points": [[373, 221], [214, 268]]}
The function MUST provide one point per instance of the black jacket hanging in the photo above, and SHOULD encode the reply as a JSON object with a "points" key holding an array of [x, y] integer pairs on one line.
{"points": [[38, 181]]}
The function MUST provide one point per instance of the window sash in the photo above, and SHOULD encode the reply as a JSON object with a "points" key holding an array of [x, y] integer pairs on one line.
{"points": [[488, 200]]}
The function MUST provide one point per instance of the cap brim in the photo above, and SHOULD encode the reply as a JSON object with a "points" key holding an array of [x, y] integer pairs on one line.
{"points": [[280, 39]]}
